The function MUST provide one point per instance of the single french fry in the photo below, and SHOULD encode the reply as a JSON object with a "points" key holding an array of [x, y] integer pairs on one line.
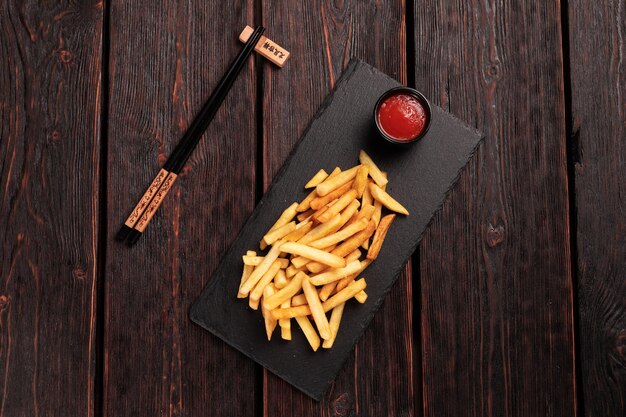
{"points": [[374, 172], [300, 261], [270, 321], [336, 274], [254, 304], [327, 290], [338, 206], [256, 260], [305, 216], [320, 176], [353, 256], [319, 202], [366, 198], [346, 247], [360, 181], [343, 283], [337, 181], [361, 297], [306, 203], [280, 279], [345, 294], [295, 235], [347, 214], [284, 218], [298, 300], [312, 298], [285, 324], [341, 235], [247, 270], [379, 236], [257, 292], [335, 319], [285, 293], [320, 231], [261, 269], [314, 254], [309, 332], [291, 271], [380, 195], [279, 233]]}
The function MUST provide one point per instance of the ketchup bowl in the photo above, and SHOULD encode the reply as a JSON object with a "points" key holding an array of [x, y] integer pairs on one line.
{"points": [[402, 115]]}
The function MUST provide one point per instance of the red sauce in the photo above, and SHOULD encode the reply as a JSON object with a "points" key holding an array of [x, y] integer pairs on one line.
{"points": [[402, 117]]}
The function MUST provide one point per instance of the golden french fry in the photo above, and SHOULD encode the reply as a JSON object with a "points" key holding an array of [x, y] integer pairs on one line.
{"points": [[285, 324], [347, 280], [254, 304], [347, 214], [270, 321], [346, 247], [279, 233], [286, 292], [374, 172], [319, 202], [361, 297], [320, 231], [341, 235], [309, 332], [305, 216], [280, 279], [257, 292], [247, 270], [366, 199], [379, 236], [337, 181], [344, 295], [306, 203], [338, 206], [256, 260], [298, 300], [360, 181], [335, 319], [320, 176], [261, 269], [295, 235], [300, 261], [327, 290], [284, 218], [317, 312], [314, 254], [380, 195], [336, 274], [315, 217], [291, 271]]}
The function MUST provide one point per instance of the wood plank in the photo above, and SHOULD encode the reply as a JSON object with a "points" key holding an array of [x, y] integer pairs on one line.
{"points": [[495, 266], [165, 60], [322, 36], [49, 163], [598, 65]]}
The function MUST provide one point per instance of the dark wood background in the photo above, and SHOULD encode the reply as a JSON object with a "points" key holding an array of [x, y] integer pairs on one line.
{"points": [[514, 304]]}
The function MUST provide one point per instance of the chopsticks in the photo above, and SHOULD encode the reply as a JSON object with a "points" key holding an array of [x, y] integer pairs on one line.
{"points": [[151, 200]]}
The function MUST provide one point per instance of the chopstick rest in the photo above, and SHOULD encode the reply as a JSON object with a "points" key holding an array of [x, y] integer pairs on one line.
{"points": [[153, 197]]}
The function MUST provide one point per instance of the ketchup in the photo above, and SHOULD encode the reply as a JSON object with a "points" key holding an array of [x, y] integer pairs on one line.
{"points": [[402, 117]]}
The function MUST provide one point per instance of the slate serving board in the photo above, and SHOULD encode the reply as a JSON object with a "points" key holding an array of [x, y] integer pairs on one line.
{"points": [[420, 175]]}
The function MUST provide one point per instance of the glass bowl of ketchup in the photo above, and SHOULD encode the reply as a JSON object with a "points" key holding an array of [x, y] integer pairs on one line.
{"points": [[402, 115]]}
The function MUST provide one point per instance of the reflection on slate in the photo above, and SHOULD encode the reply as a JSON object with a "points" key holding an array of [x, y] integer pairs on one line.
{"points": [[420, 176]]}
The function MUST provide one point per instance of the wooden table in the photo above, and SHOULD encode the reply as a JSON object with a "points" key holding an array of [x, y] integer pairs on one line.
{"points": [[514, 304]]}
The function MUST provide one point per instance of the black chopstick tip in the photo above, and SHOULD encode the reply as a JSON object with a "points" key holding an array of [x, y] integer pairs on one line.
{"points": [[133, 237], [123, 233]]}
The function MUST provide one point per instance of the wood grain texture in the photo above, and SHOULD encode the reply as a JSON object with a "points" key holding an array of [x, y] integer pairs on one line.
{"points": [[598, 81], [322, 36], [495, 265], [165, 59], [49, 163]]}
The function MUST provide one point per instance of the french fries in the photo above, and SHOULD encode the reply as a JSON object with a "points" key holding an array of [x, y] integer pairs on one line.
{"points": [[314, 260]]}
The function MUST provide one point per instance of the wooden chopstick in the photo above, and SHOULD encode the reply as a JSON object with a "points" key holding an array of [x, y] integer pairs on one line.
{"points": [[149, 203]]}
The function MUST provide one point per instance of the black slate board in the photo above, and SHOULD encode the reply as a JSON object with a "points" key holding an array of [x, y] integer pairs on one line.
{"points": [[419, 177]]}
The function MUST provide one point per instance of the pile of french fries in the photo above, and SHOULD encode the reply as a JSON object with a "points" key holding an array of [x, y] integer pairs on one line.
{"points": [[315, 250]]}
